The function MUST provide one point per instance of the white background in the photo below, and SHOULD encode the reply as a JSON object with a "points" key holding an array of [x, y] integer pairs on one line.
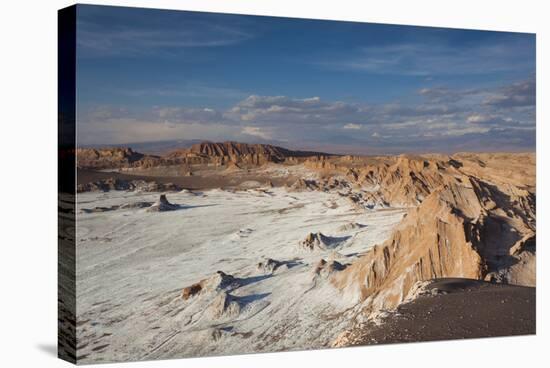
{"points": [[28, 192]]}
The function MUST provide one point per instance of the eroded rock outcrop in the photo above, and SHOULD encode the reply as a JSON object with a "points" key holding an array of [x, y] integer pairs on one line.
{"points": [[117, 157], [269, 265], [227, 153], [217, 282], [406, 182], [217, 298], [204, 153], [303, 185], [163, 205], [317, 241], [232, 166], [465, 227], [325, 268], [224, 305]]}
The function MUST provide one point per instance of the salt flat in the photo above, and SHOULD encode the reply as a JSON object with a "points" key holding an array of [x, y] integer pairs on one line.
{"points": [[132, 266]]}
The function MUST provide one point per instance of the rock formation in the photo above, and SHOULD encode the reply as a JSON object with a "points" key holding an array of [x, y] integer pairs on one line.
{"points": [[269, 265], [107, 158], [219, 281], [163, 205], [466, 226], [406, 182], [319, 241], [304, 184], [327, 268], [224, 305], [234, 152], [232, 166], [231, 154]]}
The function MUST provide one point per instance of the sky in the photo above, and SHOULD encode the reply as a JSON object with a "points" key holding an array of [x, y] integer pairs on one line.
{"points": [[148, 75]]}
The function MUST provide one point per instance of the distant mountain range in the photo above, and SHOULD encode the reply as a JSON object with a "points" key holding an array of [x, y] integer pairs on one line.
{"points": [[187, 152], [161, 148], [158, 148]]}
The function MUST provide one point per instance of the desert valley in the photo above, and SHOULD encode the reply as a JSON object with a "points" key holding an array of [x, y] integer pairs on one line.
{"points": [[235, 184], [221, 248]]}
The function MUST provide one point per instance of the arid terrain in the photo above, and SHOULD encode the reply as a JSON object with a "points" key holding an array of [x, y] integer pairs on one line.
{"points": [[224, 248]]}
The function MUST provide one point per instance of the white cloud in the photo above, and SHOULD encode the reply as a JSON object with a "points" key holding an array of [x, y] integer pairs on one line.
{"points": [[479, 119], [352, 126], [519, 94], [256, 132], [285, 110], [189, 115], [491, 119]]}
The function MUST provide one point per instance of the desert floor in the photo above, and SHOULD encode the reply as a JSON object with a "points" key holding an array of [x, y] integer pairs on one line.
{"points": [[133, 264]]}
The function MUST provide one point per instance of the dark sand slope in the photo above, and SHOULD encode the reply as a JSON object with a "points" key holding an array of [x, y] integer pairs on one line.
{"points": [[462, 309]]}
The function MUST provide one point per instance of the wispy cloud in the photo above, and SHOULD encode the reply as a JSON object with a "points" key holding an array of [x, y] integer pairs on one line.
{"points": [[313, 110], [352, 126], [184, 90], [135, 33], [425, 60], [517, 95], [188, 114], [256, 132]]}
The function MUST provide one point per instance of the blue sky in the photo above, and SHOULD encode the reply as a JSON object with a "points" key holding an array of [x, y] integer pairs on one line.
{"points": [[152, 75]]}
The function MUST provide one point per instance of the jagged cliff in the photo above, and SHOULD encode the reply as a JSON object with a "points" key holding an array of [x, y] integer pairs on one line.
{"points": [[230, 152], [406, 182], [235, 152], [473, 222], [391, 181], [107, 158], [235, 149], [200, 153]]}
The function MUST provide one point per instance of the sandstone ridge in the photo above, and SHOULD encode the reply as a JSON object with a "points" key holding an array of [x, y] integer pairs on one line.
{"points": [[472, 223], [201, 153]]}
